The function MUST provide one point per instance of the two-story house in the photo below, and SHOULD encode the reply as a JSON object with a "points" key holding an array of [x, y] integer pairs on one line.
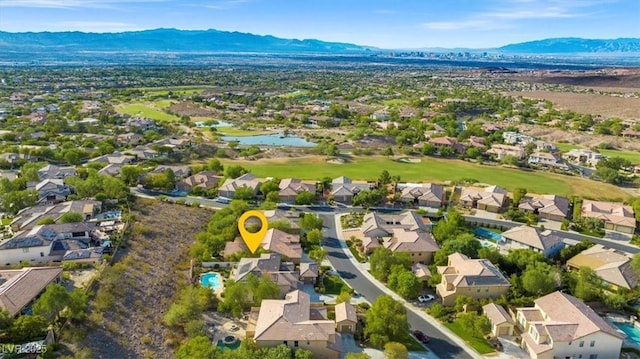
{"points": [[52, 191], [612, 266], [476, 278], [562, 326], [491, 199], [616, 216], [270, 265]]}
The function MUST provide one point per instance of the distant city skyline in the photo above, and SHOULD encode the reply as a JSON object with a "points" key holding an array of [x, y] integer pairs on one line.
{"points": [[388, 24]]}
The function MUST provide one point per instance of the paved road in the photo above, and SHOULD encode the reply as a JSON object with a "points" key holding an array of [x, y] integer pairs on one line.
{"points": [[440, 344], [562, 234]]}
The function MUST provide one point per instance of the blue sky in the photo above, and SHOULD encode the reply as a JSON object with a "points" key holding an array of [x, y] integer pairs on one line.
{"points": [[381, 23]]}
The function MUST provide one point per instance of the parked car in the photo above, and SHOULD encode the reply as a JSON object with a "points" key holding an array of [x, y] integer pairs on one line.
{"points": [[420, 336], [426, 298]]}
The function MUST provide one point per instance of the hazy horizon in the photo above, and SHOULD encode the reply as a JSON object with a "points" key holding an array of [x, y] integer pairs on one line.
{"points": [[386, 24]]}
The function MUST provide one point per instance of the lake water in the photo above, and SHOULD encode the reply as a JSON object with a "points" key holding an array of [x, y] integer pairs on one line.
{"points": [[219, 124], [276, 139]]}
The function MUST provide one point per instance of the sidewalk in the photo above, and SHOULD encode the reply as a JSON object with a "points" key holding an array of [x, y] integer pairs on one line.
{"points": [[363, 268]]}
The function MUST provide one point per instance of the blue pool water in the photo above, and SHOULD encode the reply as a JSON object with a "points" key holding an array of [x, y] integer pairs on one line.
{"points": [[211, 280], [487, 234], [632, 332]]}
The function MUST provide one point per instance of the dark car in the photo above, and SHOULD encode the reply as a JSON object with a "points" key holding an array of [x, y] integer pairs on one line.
{"points": [[420, 336]]}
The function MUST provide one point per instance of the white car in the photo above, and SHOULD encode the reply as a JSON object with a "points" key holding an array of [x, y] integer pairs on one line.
{"points": [[426, 298]]}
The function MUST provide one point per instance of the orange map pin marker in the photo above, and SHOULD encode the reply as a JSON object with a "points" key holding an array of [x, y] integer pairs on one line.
{"points": [[253, 240]]}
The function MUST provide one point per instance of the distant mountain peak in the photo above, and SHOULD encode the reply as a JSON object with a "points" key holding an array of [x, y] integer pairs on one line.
{"points": [[565, 45], [167, 39]]}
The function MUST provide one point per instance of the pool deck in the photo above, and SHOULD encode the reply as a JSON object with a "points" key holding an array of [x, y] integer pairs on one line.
{"points": [[616, 318]]}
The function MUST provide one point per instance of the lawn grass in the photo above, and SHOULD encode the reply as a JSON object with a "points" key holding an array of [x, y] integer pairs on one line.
{"points": [[163, 103], [6, 221], [634, 157], [144, 110], [334, 285], [566, 147], [479, 344], [433, 169]]}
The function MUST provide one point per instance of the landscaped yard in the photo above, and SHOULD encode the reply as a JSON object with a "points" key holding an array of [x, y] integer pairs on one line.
{"points": [[146, 110], [6, 221], [433, 169], [479, 344], [634, 157], [355, 252], [334, 285]]}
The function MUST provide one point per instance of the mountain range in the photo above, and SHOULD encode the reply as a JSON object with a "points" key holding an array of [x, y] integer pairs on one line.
{"points": [[173, 40]]}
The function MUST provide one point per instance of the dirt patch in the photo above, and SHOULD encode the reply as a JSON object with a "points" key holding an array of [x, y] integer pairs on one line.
{"points": [[628, 78], [189, 108], [156, 262], [585, 103], [582, 139]]}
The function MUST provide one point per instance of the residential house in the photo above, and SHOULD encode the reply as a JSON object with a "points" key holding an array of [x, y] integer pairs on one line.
{"points": [[380, 115], [174, 143], [421, 271], [51, 190], [270, 265], [616, 216], [56, 172], [584, 157], [562, 326], [140, 123], [476, 278], [28, 217], [548, 159], [112, 169], [179, 172], [420, 246], [309, 272], [527, 237], [500, 151], [343, 189], [424, 195], [492, 198], [388, 230], [501, 322], [478, 142], [129, 139], [613, 266], [515, 138], [141, 153], [447, 142], [346, 318], [247, 180], [204, 180], [551, 207], [20, 287], [115, 157], [276, 241], [291, 187], [45, 243], [296, 323]]}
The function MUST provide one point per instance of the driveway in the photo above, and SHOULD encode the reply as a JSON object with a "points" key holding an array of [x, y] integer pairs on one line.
{"points": [[441, 345]]}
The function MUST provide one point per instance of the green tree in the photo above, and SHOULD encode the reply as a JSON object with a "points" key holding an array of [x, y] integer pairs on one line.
{"points": [[318, 254], [587, 285], [310, 221], [13, 202], [303, 354], [130, 175], [235, 171], [362, 355], [518, 195], [54, 299], [28, 327], [305, 198], [273, 197], [199, 347], [387, 152], [215, 165], [5, 320], [71, 217], [244, 193], [77, 304], [395, 350], [368, 198], [384, 179], [269, 186], [540, 279], [383, 259], [404, 282], [449, 227], [314, 237], [343, 297], [264, 289], [386, 321]]}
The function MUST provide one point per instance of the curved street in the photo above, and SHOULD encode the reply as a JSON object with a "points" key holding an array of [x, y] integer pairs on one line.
{"points": [[440, 343]]}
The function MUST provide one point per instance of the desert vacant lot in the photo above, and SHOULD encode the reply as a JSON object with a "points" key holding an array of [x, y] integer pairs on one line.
{"points": [[607, 106], [432, 169]]}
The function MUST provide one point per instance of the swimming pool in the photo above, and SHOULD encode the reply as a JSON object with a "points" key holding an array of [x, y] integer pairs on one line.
{"points": [[211, 280], [492, 236], [632, 332]]}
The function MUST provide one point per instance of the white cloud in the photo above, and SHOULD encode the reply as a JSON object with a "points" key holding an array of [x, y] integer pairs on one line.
{"points": [[465, 25], [94, 26], [225, 4]]}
